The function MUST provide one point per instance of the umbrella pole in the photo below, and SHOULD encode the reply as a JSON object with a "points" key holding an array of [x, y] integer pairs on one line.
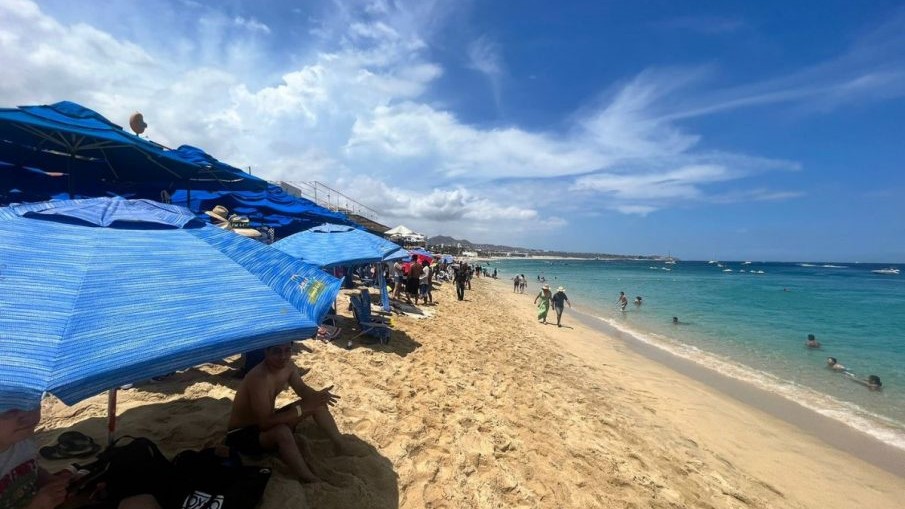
{"points": [[111, 415]]}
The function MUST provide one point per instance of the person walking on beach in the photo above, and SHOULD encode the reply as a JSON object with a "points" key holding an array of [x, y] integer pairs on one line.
{"points": [[255, 425], [623, 301], [516, 283], [559, 301], [544, 307], [523, 286], [459, 277]]}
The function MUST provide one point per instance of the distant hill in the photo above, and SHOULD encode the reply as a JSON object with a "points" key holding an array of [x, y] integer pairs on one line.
{"points": [[447, 244]]}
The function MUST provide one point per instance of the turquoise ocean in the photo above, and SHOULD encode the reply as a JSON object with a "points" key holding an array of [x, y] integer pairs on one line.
{"points": [[751, 324]]}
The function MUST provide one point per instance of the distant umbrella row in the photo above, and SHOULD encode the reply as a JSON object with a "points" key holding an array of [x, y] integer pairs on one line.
{"points": [[64, 151], [99, 291]]}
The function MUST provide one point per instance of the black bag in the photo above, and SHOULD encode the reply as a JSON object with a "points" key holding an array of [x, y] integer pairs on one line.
{"points": [[210, 481], [125, 469]]}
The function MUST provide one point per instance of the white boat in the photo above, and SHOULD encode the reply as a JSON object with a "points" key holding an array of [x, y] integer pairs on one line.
{"points": [[712, 262], [888, 271], [727, 270], [746, 263]]}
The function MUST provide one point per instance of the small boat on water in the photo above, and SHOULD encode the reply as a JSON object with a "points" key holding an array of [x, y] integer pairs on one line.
{"points": [[890, 271]]}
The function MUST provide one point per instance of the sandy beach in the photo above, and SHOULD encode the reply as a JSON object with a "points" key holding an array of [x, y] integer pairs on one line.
{"points": [[477, 405]]}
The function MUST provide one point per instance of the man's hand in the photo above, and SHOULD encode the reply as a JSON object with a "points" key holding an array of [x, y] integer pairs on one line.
{"points": [[53, 493], [320, 398]]}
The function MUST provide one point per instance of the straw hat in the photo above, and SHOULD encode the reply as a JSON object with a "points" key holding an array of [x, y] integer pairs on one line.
{"points": [[560, 289], [220, 213], [546, 287]]}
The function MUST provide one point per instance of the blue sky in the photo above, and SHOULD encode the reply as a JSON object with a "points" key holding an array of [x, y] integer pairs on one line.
{"points": [[735, 130]]}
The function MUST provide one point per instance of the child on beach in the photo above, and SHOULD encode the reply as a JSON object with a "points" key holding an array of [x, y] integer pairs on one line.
{"points": [[24, 484], [255, 425]]}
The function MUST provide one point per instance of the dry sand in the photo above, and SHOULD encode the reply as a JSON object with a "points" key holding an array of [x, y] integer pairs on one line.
{"points": [[480, 406]]}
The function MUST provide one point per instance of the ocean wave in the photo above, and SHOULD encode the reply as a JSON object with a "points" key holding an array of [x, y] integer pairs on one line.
{"points": [[878, 426]]}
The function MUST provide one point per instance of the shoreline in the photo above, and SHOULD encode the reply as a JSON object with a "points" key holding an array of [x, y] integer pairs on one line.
{"points": [[833, 432]]}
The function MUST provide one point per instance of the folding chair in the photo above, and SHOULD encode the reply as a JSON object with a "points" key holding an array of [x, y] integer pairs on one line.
{"points": [[362, 312]]}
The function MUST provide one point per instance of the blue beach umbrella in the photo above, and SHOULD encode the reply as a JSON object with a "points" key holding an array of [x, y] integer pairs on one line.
{"points": [[101, 292], [97, 156], [329, 245]]}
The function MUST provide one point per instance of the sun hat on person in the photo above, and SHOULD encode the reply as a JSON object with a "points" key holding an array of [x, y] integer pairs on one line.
{"points": [[560, 289], [546, 287]]}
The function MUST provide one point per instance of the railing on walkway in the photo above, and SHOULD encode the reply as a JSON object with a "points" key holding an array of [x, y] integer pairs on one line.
{"points": [[327, 197]]}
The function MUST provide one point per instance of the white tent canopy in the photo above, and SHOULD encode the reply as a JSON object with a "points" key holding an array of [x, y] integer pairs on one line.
{"points": [[400, 231]]}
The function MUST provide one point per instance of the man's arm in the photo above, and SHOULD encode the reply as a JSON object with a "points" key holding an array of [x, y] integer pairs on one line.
{"points": [[262, 403], [311, 399]]}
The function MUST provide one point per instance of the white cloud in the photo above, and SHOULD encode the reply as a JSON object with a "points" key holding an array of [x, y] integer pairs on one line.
{"points": [[251, 24], [355, 106]]}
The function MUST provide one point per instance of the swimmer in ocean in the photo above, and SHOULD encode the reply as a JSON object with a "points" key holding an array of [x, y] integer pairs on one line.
{"points": [[872, 382], [833, 364], [812, 342]]}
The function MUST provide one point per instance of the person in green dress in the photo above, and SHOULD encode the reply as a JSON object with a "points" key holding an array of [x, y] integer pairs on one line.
{"points": [[544, 307]]}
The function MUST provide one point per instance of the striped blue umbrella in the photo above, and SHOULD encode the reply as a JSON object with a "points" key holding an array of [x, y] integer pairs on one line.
{"points": [[329, 245], [102, 292]]}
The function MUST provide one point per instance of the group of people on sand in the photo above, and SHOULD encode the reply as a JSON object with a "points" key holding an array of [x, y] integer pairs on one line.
{"points": [[414, 279], [546, 299], [872, 382], [519, 283]]}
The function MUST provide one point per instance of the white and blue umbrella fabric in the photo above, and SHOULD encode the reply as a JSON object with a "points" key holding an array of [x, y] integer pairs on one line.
{"points": [[399, 254], [101, 292], [329, 245]]}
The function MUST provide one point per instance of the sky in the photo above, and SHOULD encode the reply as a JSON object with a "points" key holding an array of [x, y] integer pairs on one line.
{"points": [[729, 130]]}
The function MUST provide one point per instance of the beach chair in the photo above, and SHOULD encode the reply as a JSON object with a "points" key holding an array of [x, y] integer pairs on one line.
{"points": [[381, 315], [361, 309]]}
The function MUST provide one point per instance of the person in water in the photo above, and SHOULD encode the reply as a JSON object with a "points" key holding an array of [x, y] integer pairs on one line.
{"points": [[675, 320], [623, 301], [833, 364], [638, 300], [812, 342], [872, 382]]}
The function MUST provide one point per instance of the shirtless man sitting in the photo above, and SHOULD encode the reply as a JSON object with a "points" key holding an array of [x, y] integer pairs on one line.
{"points": [[255, 426]]}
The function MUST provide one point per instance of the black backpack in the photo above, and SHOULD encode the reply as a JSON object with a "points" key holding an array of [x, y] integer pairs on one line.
{"points": [[212, 481], [127, 467]]}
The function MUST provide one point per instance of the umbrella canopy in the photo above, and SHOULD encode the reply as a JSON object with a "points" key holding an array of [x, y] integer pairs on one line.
{"points": [[399, 254], [101, 292], [97, 156], [329, 245], [272, 207]]}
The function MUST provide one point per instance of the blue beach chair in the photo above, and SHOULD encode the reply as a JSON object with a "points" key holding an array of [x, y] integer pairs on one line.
{"points": [[361, 309]]}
